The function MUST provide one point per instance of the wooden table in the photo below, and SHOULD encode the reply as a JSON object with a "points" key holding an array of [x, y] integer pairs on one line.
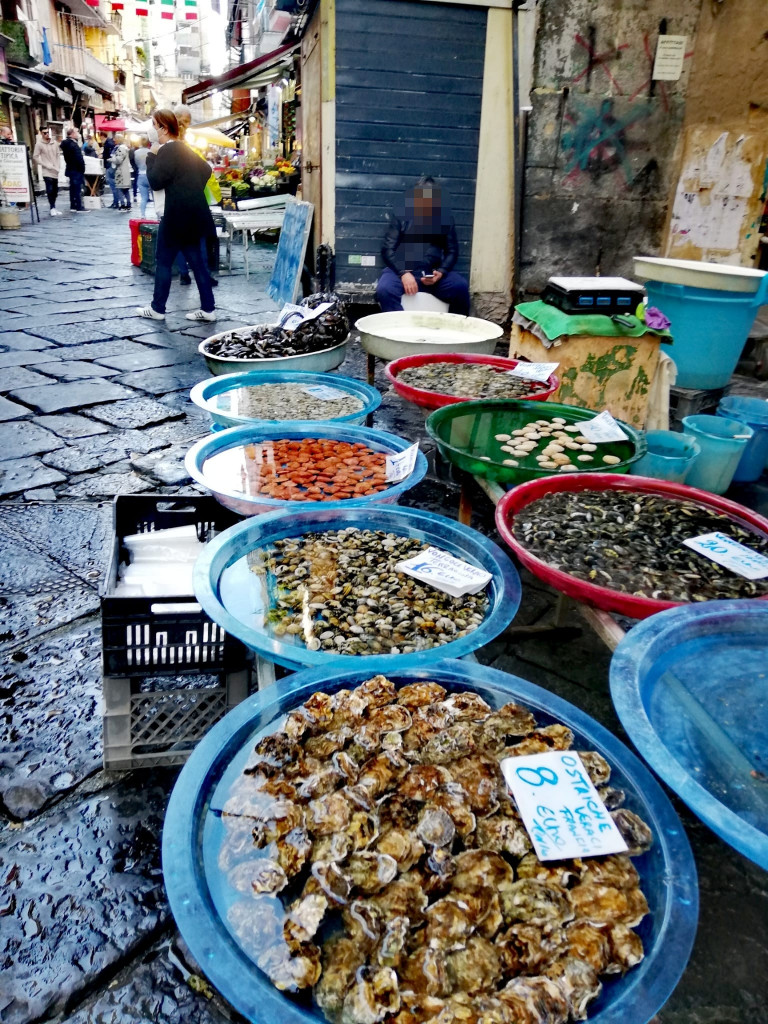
{"points": [[269, 218]]}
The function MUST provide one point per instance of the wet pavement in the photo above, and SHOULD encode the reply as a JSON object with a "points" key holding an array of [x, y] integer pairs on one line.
{"points": [[94, 403]]}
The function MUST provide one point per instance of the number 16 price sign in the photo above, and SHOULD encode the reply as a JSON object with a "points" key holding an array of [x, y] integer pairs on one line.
{"points": [[560, 807]]}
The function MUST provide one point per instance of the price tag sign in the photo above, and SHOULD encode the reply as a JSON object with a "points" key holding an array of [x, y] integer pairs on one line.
{"points": [[602, 428], [560, 807], [400, 465], [534, 371], [291, 315], [730, 554], [444, 572], [324, 393]]}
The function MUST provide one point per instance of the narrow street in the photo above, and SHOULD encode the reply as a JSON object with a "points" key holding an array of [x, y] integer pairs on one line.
{"points": [[94, 403]]}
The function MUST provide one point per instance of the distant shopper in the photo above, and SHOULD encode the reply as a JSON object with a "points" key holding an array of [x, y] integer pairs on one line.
{"points": [[420, 250], [75, 169], [109, 170], [47, 156], [6, 136], [142, 181], [89, 149], [183, 175], [122, 165]]}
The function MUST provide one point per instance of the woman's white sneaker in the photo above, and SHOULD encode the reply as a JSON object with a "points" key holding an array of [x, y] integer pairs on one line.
{"points": [[149, 313], [200, 314]]}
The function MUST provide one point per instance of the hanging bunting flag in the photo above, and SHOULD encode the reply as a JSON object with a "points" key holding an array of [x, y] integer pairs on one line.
{"points": [[92, 3], [142, 12], [117, 5], [166, 9], [190, 10]]}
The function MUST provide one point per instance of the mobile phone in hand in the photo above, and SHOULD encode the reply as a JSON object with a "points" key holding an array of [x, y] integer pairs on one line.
{"points": [[428, 278]]}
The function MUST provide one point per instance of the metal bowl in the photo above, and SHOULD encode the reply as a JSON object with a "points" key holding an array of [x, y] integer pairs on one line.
{"points": [[391, 335], [325, 359]]}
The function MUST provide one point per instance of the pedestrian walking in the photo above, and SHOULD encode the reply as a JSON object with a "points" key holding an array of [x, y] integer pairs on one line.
{"points": [[122, 165], [210, 242], [134, 170], [47, 156], [183, 175], [142, 181], [74, 169], [109, 170]]}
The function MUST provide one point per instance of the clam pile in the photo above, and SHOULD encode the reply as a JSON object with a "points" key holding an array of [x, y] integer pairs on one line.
{"points": [[633, 542], [468, 380], [377, 861], [284, 402], [554, 444], [340, 591], [269, 341]]}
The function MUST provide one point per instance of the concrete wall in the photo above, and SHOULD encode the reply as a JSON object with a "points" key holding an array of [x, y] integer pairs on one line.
{"points": [[717, 200], [601, 157]]}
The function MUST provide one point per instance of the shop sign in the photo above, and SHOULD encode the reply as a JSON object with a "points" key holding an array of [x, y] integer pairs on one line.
{"points": [[14, 183]]}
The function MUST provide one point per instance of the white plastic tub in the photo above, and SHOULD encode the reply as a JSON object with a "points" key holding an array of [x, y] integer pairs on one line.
{"points": [[720, 277], [391, 335]]}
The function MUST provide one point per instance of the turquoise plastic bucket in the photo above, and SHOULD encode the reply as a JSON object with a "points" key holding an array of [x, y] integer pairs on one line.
{"points": [[722, 442], [709, 328], [669, 456], [753, 412]]}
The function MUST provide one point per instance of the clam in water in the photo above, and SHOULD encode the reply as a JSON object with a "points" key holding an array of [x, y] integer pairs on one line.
{"points": [[633, 543], [553, 445], [284, 402], [468, 380], [376, 861], [339, 591]]}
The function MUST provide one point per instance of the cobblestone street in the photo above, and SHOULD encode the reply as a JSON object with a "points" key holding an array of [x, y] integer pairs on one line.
{"points": [[94, 402]]}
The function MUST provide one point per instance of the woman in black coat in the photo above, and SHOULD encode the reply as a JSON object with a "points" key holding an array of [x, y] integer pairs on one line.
{"points": [[182, 174]]}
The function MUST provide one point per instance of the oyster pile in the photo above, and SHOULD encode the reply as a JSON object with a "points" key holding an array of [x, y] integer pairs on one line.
{"points": [[469, 380], [340, 591], [268, 341], [379, 862], [633, 543]]}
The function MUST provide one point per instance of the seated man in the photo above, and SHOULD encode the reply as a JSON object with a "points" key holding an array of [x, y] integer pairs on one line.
{"points": [[420, 250]]}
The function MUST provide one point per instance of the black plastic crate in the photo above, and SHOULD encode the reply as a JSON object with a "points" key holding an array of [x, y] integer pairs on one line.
{"points": [[150, 636], [148, 235]]}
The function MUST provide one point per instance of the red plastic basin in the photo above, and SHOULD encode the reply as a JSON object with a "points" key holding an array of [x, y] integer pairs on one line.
{"points": [[514, 501], [540, 392]]}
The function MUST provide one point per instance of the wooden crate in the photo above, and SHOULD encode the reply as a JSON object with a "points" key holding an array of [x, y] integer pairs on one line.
{"points": [[598, 372]]}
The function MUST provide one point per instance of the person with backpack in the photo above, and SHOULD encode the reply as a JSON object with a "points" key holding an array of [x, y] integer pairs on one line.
{"points": [[122, 164]]}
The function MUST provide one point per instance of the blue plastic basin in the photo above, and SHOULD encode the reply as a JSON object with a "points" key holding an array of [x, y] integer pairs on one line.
{"points": [[199, 895], [240, 602], [669, 456], [218, 395], [721, 448], [753, 412], [690, 686], [709, 328], [224, 489]]}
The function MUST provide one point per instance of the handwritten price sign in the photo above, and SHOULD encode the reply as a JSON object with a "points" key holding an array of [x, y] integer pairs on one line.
{"points": [[729, 553], [452, 575], [560, 807]]}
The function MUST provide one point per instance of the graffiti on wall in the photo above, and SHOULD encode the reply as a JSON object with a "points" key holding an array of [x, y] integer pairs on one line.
{"points": [[595, 141]]}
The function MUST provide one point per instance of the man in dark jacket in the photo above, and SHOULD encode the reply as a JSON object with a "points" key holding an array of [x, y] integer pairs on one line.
{"points": [[75, 169], [109, 170], [420, 250]]}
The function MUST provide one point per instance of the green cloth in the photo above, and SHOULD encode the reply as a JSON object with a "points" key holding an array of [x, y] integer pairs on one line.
{"points": [[555, 323]]}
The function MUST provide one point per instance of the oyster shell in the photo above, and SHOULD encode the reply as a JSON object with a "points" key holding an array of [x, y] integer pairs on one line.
{"points": [[616, 870], [626, 949], [329, 813], [502, 835], [425, 972], [602, 904], [578, 982], [539, 903], [449, 924], [391, 718], [416, 695], [364, 922], [370, 872], [405, 897], [588, 943], [528, 948], [403, 845], [379, 772], [481, 869], [535, 1001], [423, 781], [450, 743], [454, 799], [467, 707], [391, 948], [597, 767], [374, 995], [340, 960], [291, 970], [304, 918], [563, 873], [481, 780], [435, 827], [276, 820], [475, 967], [634, 831], [328, 743], [327, 878]]}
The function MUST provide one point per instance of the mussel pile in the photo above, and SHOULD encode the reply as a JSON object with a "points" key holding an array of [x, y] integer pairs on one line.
{"points": [[377, 861], [469, 380], [268, 341], [633, 542], [340, 591]]}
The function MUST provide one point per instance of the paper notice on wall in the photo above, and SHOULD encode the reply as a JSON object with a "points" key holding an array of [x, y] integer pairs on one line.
{"points": [[670, 54]]}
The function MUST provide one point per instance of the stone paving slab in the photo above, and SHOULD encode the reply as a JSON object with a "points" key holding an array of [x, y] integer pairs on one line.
{"points": [[20, 439], [11, 410], [142, 358], [17, 475], [28, 358], [22, 342], [50, 718], [96, 349], [105, 449], [70, 425], [77, 369], [76, 535], [161, 380], [15, 377], [136, 412], [77, 334], [164, 339], [107, 485], [89, 903], [55, 397]]}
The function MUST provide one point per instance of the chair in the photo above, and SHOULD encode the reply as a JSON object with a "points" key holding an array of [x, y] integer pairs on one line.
{"points": [[424, 302]]}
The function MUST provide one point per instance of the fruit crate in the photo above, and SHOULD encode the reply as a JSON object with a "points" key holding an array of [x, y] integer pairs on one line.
{"points": [[691, 401], [170, 672], [151, 723]]}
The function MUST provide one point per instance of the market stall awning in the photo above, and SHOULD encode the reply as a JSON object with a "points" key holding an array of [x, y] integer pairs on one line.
{"points": [[257, 72], [31, 82], [106, 123]]}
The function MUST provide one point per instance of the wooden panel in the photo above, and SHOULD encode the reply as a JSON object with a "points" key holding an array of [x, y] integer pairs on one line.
{"points": [[409, 79], [311, 133]]}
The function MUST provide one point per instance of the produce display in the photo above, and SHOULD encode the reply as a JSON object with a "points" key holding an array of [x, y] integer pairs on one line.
{"points": [[340, 591], [270, 341], [468, 380], [284, 402], [374, 860], [306, 469], [552, 444], [634, 543]]}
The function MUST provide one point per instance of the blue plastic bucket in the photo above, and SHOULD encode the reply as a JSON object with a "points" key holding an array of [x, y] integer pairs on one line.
{"points": [[722, 442], [753, 412], [669, 456], [709, 328]]}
